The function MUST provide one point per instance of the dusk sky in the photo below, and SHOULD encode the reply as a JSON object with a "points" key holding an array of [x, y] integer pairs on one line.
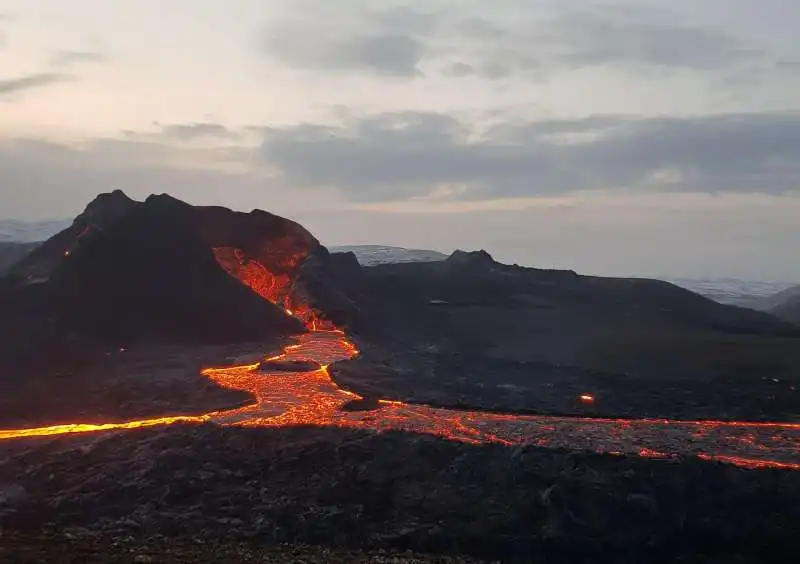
{"points": [[647, 137]]}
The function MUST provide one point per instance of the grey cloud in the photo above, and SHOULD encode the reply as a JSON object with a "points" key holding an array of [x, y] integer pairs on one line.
{"points": [[574, 39], [595, 37], [399, 156], [188, 131], [60, 62], [480, 29], [4, 17], [790, 66], [458, 69], [44, 177], [396, 41], [31, 81], [386, 43], [388, 55], [496, 68], [68, 58]]}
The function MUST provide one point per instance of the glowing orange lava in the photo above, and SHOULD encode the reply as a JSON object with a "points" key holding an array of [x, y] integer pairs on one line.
{"points": [[278, 288], [72, 428], [312, 398], [270, 286]]}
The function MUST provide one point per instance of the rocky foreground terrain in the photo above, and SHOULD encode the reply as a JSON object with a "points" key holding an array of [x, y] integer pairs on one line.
{"points": [[98, 549], [258, 488]]}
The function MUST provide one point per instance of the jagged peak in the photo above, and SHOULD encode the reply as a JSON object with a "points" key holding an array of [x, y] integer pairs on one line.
{"points": [[115, 198], [165, 200], [480, 257], [106, 207]]}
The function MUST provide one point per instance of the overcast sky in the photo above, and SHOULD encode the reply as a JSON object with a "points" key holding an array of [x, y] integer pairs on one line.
{"points": [[652, 137]]}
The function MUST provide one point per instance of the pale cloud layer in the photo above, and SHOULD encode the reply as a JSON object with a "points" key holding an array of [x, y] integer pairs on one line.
{"points": [[631, 136], [393, 156]]}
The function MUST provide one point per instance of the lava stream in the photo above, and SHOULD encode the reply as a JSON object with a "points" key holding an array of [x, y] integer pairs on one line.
{"points": [[312, 398]]}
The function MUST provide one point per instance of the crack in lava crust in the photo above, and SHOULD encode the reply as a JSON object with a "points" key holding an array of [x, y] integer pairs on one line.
{"points": [[312, 398]]}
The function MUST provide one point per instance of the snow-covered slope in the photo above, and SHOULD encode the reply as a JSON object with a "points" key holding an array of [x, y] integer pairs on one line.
{"points": [[733, 291], [369, 255]]}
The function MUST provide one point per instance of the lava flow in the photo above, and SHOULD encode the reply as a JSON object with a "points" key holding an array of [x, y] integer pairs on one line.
{"points": [[312, 398], [276, 286]]}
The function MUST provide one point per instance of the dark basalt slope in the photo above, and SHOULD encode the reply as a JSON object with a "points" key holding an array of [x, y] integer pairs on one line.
{"points": [[127, 272], [789, 310], [786, 305], [471, 332], [11, 253]]}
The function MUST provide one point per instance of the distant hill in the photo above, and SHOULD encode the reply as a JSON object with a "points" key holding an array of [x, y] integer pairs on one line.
{"points": [[789, 310], [11, 253], [731, 291], [370, 255], [14, 230], [472, 332], [785, 304], [777, 299]]}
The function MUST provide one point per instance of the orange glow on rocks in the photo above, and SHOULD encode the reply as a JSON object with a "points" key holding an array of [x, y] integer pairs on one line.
{"points": [[270, 286], [312, 398], [586, 398], [72, 428], [278, 288]]}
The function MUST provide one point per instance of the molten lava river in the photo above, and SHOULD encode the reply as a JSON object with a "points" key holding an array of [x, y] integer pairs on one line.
{"points": [[312, 398]]}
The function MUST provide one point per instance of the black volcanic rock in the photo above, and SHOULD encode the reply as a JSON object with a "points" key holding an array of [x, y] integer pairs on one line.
{"points": [[472, 332], [129, 274], [126, 272], [277, 258], [340, 488], [99, 215], [144, 275], [288, 366], [789, 310], [473, 259], [346, 264], [11, 253]]}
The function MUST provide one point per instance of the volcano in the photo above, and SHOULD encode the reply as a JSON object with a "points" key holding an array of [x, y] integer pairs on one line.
{"points": [[128, 274], [128, 271]]}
